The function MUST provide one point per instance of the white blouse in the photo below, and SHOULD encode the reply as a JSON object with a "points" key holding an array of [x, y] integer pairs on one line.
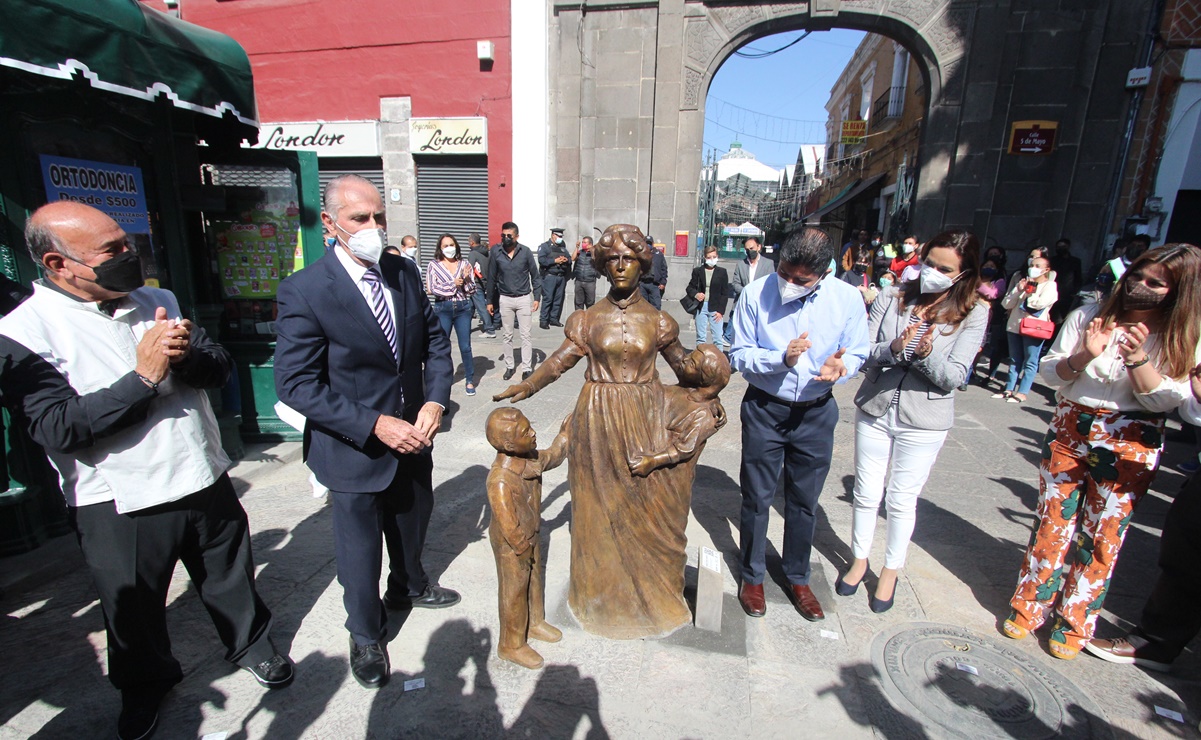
{"points": [[1105, 383]]}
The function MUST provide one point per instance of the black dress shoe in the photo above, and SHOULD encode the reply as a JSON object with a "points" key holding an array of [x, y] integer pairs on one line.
{"points": [[369, 664], [274, 673], [526, 375], [139, 710], [433, 597], [509, 373], [556, 323], [544, 325]]}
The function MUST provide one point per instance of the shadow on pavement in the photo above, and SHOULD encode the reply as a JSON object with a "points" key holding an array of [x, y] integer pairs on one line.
{"points": [[460, 518]]}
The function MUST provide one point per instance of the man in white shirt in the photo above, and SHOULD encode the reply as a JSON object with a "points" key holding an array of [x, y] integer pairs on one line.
{"points": [[111, 382]]}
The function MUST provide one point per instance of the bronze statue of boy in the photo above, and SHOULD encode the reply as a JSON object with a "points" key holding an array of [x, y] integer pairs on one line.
{"points": [[515, 496]]}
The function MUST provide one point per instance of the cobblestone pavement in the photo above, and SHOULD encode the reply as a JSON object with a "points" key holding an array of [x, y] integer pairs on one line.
{"points": [[779, 676]]}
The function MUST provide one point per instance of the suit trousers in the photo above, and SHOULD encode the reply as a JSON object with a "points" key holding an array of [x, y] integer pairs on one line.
{"points": [[651, 293], [887, 446], [364, 523], [131, 558], [516, 309], [1172, 615], [798, 443], [554, 288]]}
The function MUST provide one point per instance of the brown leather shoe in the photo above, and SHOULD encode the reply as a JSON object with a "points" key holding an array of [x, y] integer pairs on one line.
{"points": [[751, 598], [807, 604]]}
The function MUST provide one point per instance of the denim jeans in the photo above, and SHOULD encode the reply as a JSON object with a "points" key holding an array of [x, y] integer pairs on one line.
{"points": [[708, 329], [458, 314], [489, 322], [1023, 360]]}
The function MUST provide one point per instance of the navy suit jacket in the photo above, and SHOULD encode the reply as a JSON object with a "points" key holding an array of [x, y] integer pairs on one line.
{"points": [[334, 366]]}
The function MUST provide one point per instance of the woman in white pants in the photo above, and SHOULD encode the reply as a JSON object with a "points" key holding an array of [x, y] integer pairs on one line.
{"points": [[924, 337]]}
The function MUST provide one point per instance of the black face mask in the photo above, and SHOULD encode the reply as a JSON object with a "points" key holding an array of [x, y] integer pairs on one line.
{"points": [[988, 272], [121, 274], [506, 241]]}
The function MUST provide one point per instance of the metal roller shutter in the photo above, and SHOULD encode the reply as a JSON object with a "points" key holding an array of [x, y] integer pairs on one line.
{"points": [[451, 199], [376, 176]]}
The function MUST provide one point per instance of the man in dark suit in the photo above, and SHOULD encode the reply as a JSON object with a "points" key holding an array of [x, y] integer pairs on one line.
{"points": [[361, 355]]}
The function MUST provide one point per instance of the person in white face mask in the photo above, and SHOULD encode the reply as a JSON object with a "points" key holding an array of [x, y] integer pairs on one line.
{"points": [[924, 336], [450, 281], [1028, 302], [797, 333], [710, 285], [361, 355]]}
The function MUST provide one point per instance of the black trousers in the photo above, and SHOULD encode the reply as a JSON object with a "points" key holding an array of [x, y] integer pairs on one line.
{"points": [[364, 523], [1172, 615], [798, 443], [585, 294], [131, 558], [554, 288], [650, 292]]}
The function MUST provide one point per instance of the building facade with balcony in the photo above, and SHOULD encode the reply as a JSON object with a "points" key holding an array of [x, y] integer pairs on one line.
{"points": [[867, 177]]}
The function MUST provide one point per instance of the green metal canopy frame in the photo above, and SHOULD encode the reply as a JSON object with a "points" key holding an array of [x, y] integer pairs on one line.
{"points": [[124, 47]]}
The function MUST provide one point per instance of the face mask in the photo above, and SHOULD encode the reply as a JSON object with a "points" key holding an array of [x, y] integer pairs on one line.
{"points": [[410, 252], [790, 292], [1034, 272], [366, 244], [331, 242], [933, 281], [449, 252], [121, 274], [556, 240], [989, 272], [885, 282], [1137, 297], [711, 262], [907, 248], [506, 241], [752, 254], [875, 242]]}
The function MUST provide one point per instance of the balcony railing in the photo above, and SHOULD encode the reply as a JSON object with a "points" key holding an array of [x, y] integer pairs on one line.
{"points": [[889, 105]]}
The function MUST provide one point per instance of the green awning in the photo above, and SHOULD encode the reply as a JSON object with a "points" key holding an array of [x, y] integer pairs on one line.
{"points": [[127, 48]]}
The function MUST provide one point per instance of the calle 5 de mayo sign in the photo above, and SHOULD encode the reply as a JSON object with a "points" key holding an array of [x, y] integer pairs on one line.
{"points": [[1033, 138], [448, 135]]}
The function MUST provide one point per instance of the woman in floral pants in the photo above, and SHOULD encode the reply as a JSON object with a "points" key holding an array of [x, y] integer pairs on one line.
{"points": [[1120, 368]]}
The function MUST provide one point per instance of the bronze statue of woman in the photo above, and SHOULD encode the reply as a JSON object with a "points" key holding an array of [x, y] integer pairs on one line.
{"points": [[627, 531]]}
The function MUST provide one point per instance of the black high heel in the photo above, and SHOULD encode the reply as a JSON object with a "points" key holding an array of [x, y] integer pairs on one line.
{"points": [[879, 606], [842, 588]]}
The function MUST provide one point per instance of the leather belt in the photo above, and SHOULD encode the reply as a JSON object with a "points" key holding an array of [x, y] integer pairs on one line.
{"points": [[754, 392]]}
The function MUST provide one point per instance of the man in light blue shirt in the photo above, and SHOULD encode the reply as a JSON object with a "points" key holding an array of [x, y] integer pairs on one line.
{"points": [[797, 334]]}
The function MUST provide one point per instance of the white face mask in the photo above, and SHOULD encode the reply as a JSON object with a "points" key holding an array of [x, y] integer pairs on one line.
{"points": [[1034, 272], [366, 244], [907, 248], [449, 252], [711, 262], [790, 292], [410, 252], [933, 281]]}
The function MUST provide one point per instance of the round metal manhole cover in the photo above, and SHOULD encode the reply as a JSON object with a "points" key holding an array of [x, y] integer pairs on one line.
{"points": [[974, 687]]}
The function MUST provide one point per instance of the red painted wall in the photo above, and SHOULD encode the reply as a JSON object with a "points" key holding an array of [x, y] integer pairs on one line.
{"points": [[335, 59]]}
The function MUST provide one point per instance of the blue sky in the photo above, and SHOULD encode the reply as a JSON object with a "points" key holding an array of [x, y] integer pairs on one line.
{"points": [[780, 98]]}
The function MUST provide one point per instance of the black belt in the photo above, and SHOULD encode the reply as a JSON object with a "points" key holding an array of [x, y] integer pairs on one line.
{"points": [[440, 299], [753, 392], [514, 295]]}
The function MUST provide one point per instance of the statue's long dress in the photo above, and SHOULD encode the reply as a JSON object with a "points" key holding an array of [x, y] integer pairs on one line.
{"points": [[627, 533]]}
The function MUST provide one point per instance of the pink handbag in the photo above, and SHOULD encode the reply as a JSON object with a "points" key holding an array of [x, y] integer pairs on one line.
{"points": [[1036, 328]]}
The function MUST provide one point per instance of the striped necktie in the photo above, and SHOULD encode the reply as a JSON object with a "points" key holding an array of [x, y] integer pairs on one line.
{"points": [[379, 307]]}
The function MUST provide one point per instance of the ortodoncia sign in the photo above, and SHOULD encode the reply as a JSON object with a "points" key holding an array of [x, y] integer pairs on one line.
{"points": [[448, 135]]}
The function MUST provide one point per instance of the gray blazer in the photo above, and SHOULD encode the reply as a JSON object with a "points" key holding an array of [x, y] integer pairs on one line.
{"points": [[742, 273], [927, 385]]}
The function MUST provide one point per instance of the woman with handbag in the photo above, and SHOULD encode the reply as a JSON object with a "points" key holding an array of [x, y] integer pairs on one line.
{"points": [[1120, 368], [1029, 302], [710, 287], [924, 336]]}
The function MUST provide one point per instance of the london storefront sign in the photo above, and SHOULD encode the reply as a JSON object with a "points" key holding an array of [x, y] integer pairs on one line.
{"points": [[327, 138], [448, 136]]}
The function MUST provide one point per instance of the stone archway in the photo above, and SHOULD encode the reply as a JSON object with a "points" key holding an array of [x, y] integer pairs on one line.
{"points": [[628, 85]]}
